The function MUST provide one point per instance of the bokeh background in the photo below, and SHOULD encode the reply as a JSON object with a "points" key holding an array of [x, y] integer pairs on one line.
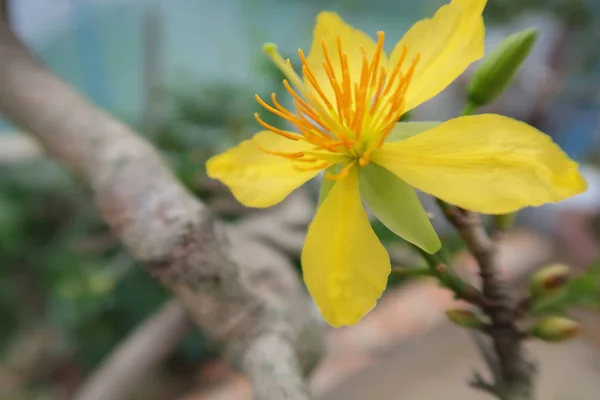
{"points": [[183, 73]]}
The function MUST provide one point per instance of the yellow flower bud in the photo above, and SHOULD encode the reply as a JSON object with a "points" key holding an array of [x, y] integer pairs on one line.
{"points": [[548, 280], [464, 318], [499, 68], [555, 329]]}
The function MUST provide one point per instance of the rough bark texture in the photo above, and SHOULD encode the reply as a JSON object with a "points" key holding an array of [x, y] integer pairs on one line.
{"points": [[168, 230], [513, 372]]}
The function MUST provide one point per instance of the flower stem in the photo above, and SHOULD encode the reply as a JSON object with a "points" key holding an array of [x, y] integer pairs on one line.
{"points": [[515, 372], [439, 269], [469, 109]]}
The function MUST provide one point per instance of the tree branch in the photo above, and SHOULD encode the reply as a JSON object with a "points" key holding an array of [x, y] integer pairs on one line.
{"points": [[164, 227], [515, 373], [16, 148], [145, 348], [4, 10], [439, 268]]}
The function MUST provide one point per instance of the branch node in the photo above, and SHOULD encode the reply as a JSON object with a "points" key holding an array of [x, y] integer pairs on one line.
{"points": [[479, 383]]}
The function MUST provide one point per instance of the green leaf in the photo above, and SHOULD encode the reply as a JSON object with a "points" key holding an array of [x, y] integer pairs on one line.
{"points": [[397, 206]]}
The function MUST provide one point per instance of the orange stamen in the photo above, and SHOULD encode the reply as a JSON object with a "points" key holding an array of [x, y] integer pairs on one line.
{"points": [[360, 91], [311, 77], [342, 174], [337, 91], [398, 103], [302, 106], [346, 83], [319, 166], [379, 89], [395, 72], [282, 154], [273, 129], [349, 107], [293, 118]]}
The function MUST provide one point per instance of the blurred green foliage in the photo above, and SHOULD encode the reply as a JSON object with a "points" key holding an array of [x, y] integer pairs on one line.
{"points": [[61, 266], [573, 12]]}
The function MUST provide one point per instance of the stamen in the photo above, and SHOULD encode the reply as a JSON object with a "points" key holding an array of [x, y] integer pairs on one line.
{"points": [[378, 94], [346, 84], [282, 154], [376, 58], [365, 159], [342, 174], [361, 97], [311, 77], [397, 108], [276, 130], [269, 108], [395, 72], [319, 166], [337, 90], [271, 50], [302, 106], [308, 159], [327, 59], [369, 99], [335, 82], [288, 115], [299, 156], [411, 71]]}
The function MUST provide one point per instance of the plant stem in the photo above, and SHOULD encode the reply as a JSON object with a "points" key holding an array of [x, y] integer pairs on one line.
{"points": [[515, 373], [439, 268], [469, 109]]}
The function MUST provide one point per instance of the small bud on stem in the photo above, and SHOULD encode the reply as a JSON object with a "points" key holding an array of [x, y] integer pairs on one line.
{"points": [[555, 329], [465, 318], [499, 68]]}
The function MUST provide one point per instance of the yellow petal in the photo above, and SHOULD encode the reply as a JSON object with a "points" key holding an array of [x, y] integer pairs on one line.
{"points": [[486, 163], [258, 179], [329, 27], [446, 45], [345, 266], [404, 130]]}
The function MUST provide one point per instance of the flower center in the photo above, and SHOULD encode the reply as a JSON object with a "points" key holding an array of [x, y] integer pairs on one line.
{"points": [[340, 113]]}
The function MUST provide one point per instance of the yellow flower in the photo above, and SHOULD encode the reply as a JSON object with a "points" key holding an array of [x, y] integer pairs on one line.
{"points": [[347, 104]]}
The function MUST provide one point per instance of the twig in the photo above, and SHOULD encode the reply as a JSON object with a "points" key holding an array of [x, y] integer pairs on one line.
{"points": [[32, 355], [486, 349], [171, 233], [515, 373], [16, 148], [410, 272], [478, 382], [130, 363], [463, 290], [5, 12]]}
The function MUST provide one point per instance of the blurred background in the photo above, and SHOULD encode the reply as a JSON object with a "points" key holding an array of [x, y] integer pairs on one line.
{"points": [[183, 73]]}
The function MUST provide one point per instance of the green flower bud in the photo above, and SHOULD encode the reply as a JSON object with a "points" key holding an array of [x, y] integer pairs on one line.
{"points": [[464, 318], [499, 68], [555, 329], [548, 280]]}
